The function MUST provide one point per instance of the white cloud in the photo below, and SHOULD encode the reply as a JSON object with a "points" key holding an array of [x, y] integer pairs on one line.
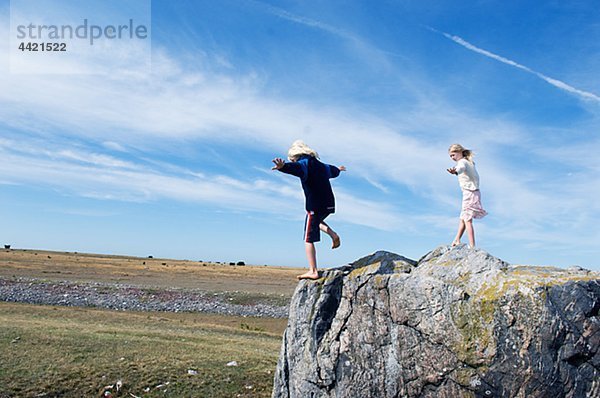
{"points": [[114, 146]]}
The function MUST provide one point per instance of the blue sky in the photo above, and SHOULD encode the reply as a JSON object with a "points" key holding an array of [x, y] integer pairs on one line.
{"points": [[174, 161]]}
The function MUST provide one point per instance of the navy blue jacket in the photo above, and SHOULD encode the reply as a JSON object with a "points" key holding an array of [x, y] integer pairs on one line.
{"points": [[315, 182]]}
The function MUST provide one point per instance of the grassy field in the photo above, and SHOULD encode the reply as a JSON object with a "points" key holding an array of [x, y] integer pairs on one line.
{"points": [[52, 351], [78, 352], [148, 272]]}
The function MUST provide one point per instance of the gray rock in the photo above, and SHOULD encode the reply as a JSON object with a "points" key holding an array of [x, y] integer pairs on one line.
{"points": [[126, 297], [459, 323]]}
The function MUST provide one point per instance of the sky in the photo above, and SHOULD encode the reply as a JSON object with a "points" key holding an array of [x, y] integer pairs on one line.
{"points": [[173, 158]]}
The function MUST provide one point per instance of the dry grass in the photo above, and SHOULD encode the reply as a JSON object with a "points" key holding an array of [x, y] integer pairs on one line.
{"points": [[148, 272], [76, 352]]}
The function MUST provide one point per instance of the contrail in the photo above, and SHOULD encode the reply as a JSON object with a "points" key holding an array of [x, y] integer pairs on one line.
{"points": [[281, 13], [359, 43], [554, 82]]}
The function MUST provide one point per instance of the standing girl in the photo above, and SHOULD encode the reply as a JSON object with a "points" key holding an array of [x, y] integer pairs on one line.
{"points": [[320, 202], [468, 179]]}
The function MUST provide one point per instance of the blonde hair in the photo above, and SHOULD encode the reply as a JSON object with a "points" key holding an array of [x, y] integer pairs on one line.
{"points": [[298, 149], [467, 153]]}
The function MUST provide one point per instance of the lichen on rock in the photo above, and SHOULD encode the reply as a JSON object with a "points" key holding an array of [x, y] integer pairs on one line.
{"points": [[457, 323]]}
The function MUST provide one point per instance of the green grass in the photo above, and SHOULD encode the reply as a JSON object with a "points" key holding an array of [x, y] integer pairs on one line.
{"points": [[75, 352]]}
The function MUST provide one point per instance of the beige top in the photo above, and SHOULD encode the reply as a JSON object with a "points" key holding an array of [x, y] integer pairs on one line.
{"points": [[468, 178]]}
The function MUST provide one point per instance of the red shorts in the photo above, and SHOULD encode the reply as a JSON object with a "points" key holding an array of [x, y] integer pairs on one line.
{"points": [[312, 232]]}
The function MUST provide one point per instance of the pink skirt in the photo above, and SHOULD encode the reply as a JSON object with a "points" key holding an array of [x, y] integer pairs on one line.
{"points": [[471, 205]]}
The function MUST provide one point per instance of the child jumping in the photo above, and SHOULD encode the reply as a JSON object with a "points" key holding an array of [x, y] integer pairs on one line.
{"points": [[468, 179], [320, 202]]}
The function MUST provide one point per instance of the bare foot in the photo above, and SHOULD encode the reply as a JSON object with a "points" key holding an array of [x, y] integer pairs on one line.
{"points": [[336, 241], [455, 243], [309, 275]]}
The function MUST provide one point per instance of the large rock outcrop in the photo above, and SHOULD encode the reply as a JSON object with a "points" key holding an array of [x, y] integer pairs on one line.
{"points": [[457, 323]]}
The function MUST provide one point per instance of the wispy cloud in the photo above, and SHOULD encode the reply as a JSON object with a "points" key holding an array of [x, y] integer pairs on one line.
{"points": [[89, 174], [281, 13], [372, 54], [555, 82], [199, 106]]}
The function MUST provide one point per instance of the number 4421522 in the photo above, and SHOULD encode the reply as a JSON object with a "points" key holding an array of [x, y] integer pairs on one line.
{"points": [[43, 46]]}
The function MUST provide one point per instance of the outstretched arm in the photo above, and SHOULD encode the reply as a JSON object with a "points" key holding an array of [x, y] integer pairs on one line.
{"points": [[335, 171], [297, 169], [459, 168]]}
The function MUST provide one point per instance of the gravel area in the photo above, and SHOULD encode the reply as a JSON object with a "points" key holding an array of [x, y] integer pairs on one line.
{"points": [[135, 298]]}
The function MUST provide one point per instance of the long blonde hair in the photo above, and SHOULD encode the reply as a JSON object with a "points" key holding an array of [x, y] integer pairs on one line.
{"points": [[298, 149], [467, 153]]}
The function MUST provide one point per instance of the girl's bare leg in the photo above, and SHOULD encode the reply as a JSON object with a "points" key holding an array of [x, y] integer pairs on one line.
{"points": [[459, 234], [335, 238], [470, 233], [311, 255]]}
